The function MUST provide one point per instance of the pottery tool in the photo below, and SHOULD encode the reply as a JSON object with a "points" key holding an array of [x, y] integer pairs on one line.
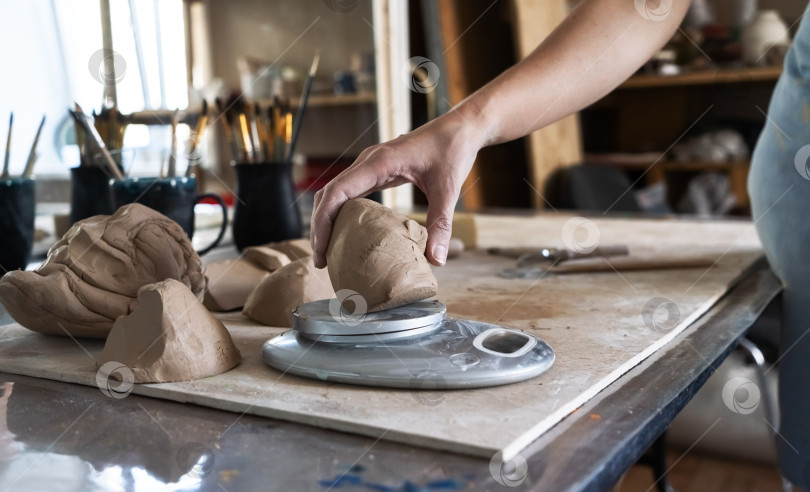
{"points": [[172, 167], [559, 254], [32, 155], [605, 264], [302, 104], [8, 147], [91, 131], [415, 345]]}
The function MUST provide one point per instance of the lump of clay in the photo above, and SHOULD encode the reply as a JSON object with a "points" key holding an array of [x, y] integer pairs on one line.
{"points": [[230, 282], [274, 300], [268, 258], [295, 249], [92, 275], [379, 254], [170, 336]]}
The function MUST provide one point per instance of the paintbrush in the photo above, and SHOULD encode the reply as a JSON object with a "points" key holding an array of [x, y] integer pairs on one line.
{"points": [[32, 156], [271, 133], [288, 127], [90, 130], [202, 121], [172, 168], [302, 104], [8, 146], [278, 125], [224, 117], [194, 142], [253, 132], [261, 130], [244, 131]]}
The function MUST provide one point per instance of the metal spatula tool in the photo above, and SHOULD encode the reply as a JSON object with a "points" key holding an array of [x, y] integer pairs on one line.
{"points": [[414, 346], [532, 263]]}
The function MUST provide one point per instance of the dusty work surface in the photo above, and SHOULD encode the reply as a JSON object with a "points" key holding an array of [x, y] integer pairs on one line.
{"points": [[599, 325]]}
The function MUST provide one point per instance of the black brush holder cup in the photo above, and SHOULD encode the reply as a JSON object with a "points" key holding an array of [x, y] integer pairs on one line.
{"points": [[173, 197], [266, 208], [17, 201], [90, 193]]}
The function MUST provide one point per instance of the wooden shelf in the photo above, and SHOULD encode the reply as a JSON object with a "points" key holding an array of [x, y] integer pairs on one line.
{"points": [[716, 76], [674, 173], [669, 165]]}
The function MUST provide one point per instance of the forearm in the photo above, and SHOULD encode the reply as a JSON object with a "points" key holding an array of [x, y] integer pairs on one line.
{"points": [[599, 45]]}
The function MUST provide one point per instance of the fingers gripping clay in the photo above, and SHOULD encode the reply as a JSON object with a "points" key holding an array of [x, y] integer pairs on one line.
{"points": [[379, 254], [170, 336], [276, 297], [92, 275]]}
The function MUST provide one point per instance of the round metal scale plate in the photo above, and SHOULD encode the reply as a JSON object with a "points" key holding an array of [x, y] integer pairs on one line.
{"points": [[327, 317], [449, 354]]}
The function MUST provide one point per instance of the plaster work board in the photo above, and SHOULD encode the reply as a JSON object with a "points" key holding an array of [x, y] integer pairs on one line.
{"points": [[594, 323]]}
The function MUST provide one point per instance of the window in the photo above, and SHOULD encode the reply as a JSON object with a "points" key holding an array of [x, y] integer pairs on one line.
{"points": [[52, 56]]}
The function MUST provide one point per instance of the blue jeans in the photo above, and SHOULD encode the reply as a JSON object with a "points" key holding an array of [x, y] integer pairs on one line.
{"points": [[779, 185]]}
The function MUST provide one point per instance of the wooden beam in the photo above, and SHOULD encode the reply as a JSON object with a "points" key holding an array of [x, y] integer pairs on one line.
{"points": [[558, 144]]}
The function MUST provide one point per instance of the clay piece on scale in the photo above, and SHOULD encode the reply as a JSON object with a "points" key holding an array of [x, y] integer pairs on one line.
{"points": [[277, 296], [379, 254], [92, 275], [230, 282], [170, 336]]}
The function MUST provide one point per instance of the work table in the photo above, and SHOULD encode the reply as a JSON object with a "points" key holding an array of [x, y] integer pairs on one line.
{"points": [[144, 440]]}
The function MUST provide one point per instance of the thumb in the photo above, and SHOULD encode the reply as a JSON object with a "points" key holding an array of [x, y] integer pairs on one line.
{"points": [[439, 227]]}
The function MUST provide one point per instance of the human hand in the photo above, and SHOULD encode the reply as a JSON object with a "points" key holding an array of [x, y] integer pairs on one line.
{"points": [[435, 157]]}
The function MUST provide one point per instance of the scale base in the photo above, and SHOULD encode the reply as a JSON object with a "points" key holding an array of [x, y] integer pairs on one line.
{"points": [[446, 353]]}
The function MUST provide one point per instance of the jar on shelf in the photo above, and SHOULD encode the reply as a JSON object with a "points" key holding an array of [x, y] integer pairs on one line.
{"points": [[765, 31]]}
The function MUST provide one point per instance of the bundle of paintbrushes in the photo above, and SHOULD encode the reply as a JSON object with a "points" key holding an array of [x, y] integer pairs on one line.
{"points": [[94, 147], [257, 133], [32, 154], [192, 146], [91, 144], [264, 133]]}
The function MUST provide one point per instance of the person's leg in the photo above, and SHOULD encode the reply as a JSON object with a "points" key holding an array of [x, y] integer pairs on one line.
{"points": [[779, 184]]}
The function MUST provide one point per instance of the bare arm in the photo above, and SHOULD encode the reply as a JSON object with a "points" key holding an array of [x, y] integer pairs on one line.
{"points": [[597, 47]]}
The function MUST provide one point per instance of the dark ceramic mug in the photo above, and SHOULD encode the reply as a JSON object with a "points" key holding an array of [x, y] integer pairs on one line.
{"points": [[89, 192], [173, 197], [17, 201], [266, 209]]}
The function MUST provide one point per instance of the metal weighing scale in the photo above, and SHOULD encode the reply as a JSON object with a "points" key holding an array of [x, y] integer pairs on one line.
{"points": [[414, 346]]}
